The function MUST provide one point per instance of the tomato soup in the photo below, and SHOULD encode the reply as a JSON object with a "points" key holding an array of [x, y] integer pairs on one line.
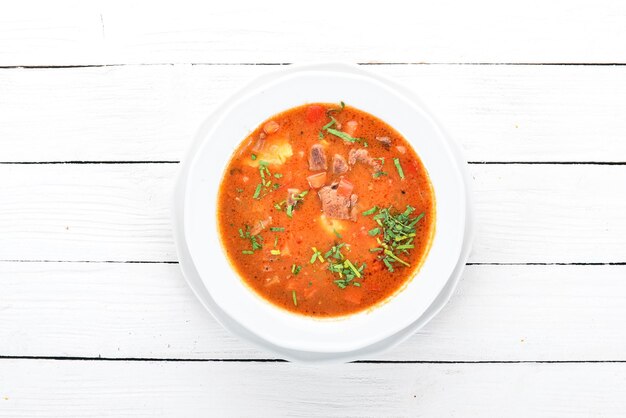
{"points": [[325, 210]]}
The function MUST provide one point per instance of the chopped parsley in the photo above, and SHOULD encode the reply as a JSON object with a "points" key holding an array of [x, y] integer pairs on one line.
{"points": [[395, 234], [266, 186], [347, 272], [255, 240], [317, 255]]}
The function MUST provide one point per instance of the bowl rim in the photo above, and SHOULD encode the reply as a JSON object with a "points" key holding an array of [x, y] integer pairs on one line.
{"points": [[442, 136]]}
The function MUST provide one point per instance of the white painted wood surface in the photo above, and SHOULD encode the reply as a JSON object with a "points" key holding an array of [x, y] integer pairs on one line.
{"points": [[239, 31], [536, 325], [86, 389], [497, 113]]}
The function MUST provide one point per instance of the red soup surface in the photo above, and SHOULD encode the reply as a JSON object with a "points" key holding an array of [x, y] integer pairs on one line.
{"points": [[325, 210]]}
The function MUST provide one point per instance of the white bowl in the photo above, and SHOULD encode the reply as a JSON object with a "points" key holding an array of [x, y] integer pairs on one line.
{"points": [[265, 322]]}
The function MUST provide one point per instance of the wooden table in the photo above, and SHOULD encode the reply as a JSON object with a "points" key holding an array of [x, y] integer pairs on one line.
{"points": [[98, 103]]}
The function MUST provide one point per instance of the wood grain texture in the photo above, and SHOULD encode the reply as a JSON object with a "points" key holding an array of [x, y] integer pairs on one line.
{"points": [[145, 389], [498, 313], [525, 213], [497, 113], [280, 31]]}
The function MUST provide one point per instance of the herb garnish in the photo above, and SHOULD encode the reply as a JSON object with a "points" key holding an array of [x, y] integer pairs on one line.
{"points": [[295, 269], [255, 240], [277, 229], [294, 297], [398, 233], [297, 198], [329, 126], [370, 211], [342, 135], [347, 273], [396, 161], [317, 255], [266, 184]]}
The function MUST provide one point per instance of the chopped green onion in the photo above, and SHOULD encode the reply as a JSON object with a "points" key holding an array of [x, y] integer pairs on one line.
{"points": [[375, 250], [253, 156], [275, 252], [247, 252], [404, 247], [337, 234], [277, 229], [342, 135], [374, 232], [293, 296], [257, 191], [392, 255], [370, 211], [329, 124], [396, 161], [295, 269], [357, 284], [356, 272], [278, 175], [388, 264]]}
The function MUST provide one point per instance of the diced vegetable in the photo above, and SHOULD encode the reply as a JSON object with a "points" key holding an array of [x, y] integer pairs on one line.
{"points": [[314, 113], [317, 180], [350, 127], [271, 127], [344, 188]]}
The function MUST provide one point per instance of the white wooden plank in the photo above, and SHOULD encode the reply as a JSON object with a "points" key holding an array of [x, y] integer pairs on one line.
{"points": [[278, 31], [497, 113], [525, 213], [499, 313], [145, 389]]}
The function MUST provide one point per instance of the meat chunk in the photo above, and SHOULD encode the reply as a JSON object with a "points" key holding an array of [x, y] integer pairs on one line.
{"points": [[340, 165], [362, 156], [337, 206], [384, 140], [317, 158]]}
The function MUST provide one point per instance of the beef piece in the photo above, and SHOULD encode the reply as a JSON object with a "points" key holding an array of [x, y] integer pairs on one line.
{"points": [[362, 156], [384, 140], [340, 165], [317, 158], [336, 206]]}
